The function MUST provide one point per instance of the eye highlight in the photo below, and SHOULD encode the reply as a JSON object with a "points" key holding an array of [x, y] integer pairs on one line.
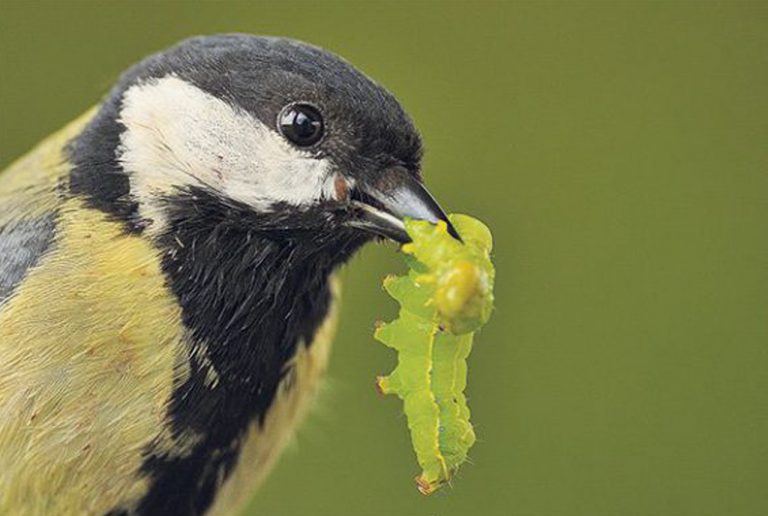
{"points": [[301, 124]]}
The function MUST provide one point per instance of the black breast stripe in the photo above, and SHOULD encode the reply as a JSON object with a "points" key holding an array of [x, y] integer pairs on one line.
{"points": [[248, 301]]}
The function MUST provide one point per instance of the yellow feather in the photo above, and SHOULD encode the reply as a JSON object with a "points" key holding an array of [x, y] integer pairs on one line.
{"points": [[28, 186]]}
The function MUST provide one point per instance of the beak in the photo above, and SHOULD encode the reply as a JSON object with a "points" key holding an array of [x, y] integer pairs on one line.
{"points": [[381, 209]]}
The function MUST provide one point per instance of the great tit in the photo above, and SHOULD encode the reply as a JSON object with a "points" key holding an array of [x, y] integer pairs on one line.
{"points": [[167, 273]]}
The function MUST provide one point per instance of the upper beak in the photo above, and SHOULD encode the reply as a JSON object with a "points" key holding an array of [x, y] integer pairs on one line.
{"points": [[381, 209]]}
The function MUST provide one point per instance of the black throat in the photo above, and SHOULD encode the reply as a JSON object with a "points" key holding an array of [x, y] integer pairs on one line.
{"points": [[250, 294]]}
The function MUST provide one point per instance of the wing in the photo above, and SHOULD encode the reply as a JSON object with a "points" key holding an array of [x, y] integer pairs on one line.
{"points": [[22, 243], [29, 202]]}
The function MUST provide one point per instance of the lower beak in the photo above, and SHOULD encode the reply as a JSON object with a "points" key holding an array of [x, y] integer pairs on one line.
{"points": [[382, 209]]}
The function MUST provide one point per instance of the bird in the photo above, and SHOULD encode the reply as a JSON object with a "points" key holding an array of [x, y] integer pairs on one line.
{"points": [[169, 272]]}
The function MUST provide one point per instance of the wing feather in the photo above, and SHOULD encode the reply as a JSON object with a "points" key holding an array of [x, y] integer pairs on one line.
{"points": [[30, 197]]}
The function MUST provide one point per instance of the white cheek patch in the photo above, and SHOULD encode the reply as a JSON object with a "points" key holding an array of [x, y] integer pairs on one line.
{"points": [[178, 135]]}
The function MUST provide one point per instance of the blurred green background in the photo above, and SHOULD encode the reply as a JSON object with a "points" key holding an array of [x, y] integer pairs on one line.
{"points": [[618, 150]]}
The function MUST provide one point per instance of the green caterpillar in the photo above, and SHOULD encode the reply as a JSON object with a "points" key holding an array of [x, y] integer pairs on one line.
{"points": [[446, 296]]}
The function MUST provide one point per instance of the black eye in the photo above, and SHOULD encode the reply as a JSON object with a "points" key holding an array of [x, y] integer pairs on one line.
{"points": [[302, 124]]}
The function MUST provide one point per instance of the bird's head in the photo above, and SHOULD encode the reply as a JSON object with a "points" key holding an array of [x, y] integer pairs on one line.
{"points": [[271, 133]]}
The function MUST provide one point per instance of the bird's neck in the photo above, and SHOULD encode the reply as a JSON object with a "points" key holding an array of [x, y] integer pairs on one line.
{"points": [[248, 300]]}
